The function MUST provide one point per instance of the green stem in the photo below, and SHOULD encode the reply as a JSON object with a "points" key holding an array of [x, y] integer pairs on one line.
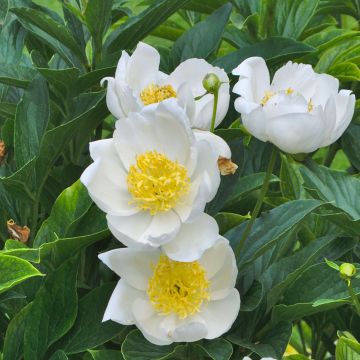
{"points": [[354, 298], [259, 202], [216, 99], [333, 149]]}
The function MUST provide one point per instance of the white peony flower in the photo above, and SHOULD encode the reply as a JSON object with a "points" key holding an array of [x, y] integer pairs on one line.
{"points": [[299, 111], [172, 301], [139, 83], [152, 176]]}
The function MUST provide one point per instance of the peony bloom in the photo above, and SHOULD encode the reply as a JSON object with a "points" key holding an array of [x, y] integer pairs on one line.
{"points": [[139, 83], [299, 111], [172, 301], [152, 176]]}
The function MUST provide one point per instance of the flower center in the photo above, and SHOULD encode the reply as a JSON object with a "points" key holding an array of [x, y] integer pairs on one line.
{"points": [[268, 95], [156, 93], [178, 287], [310, 106], [156, 182]]}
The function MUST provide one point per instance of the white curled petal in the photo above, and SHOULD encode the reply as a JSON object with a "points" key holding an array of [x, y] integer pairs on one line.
{"points": [[132, 265], [121, 68], [254, 79], [193, 239], [244, 106], [130, 229], [256, 123], [149, 322], [163, 228], [219, 145], [345, 107], [127, 100], [301, 78], [297, 133], [112, 100], [121, 300], [326, 86], [143, 67], [219, 315]]}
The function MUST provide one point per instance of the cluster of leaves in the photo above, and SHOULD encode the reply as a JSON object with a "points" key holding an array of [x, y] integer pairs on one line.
{"points": [[54, 290]]}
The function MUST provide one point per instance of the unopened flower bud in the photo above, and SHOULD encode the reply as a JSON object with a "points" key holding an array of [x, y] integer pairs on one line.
{"points": [[211, 83], [347, 271]]}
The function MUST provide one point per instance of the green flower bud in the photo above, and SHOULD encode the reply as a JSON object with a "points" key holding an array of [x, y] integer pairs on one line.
{"points": [[347, 271], [211, 83]]}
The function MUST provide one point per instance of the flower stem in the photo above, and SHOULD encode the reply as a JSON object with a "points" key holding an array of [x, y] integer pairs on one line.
{"points": [[354, 298], [259, 202], [216, 99]]}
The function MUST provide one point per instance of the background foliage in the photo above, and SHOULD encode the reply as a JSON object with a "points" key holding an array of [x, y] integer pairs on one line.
{"points": [[53, 290]]}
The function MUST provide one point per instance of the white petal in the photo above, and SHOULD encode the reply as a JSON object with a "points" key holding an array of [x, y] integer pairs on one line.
{"points": [[132, 265], [121, 68], [254, 79], [244, 106], [121, 300], [326, 86], [283, 104], [345, 106], [299, 77], [130, 229], [297, 133], [162, 229], [193, 239], [256, 123], [162, 128], [330, 121], [149, 322], [126, 99], [143, 67], [190, 329], [186, 100], [112, 100], [220, 315], [214, 258], [105, 180], [219, 145]]}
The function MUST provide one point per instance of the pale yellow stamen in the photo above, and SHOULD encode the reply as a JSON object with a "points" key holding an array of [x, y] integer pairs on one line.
{"points": [[289, 91], [310, 106], [178, 287], [268, 95], [156, 93], [157, 183]]}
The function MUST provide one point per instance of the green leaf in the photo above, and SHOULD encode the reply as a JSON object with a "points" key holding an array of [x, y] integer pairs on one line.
{"points": [[59, 355], [97, 17], [345, 71], [89, 331], [274, 49], [336, 188], [106, 354], [31, 121], [136, 28], [69, 207], [227, 221], [273, 344], [350, 144], [136, 347], [53, 310], [319, 288], [217, 349], [287, 17], [246, 185], [7, 110], [202, 39], [14, 337], [270, 227], [16, 75], [347, 349], [51, 27], [14, 271]]}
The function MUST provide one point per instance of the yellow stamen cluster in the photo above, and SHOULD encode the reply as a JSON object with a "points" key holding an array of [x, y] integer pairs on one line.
{"points": [[289, 91], [268, 95], [178, 287], [156, 182], [156, 93]]}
